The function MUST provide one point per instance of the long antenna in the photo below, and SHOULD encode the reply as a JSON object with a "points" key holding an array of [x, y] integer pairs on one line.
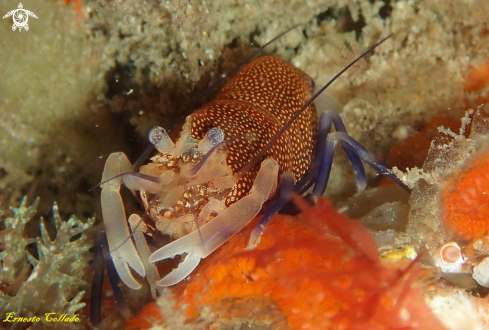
{"points": [[255, 159]]}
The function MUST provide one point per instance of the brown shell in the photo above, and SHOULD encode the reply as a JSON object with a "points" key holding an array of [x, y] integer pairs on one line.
{"points": [[251, 108]]}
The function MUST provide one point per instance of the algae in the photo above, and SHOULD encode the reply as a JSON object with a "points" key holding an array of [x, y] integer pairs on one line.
{"points": [[52, 281]]}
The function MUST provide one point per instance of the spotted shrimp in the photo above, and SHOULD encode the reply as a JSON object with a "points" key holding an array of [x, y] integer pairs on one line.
{"points": [[257, 140]]}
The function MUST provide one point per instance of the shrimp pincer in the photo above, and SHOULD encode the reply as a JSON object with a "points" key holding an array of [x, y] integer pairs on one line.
{"points": [[259, 135]]}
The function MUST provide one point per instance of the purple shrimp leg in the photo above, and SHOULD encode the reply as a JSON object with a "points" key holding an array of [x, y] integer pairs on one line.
{"points": [[98, 280], [359, 150], [114, 279], [327, 118], [101, 254]]}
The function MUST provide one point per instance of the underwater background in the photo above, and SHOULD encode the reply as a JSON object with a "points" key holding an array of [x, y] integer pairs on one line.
{"points": [[92, 77]]}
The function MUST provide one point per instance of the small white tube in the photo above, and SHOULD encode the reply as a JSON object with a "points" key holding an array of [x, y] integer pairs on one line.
{"points": [[161, 140]]}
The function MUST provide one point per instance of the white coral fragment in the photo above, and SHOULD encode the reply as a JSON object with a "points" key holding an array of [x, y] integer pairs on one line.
{"points": [[457, 310], [481, 272]]}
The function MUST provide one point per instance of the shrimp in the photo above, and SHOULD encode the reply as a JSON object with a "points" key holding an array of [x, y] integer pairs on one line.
{"points": [[257, 140]]}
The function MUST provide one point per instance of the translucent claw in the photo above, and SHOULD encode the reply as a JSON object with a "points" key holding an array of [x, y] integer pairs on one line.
{"points": [[138, 228], [190, 244], [121, 265], [122, 249], [200, 243], [184, 269], [284, 195]]}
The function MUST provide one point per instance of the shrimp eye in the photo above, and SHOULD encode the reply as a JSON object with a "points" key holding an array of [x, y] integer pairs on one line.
{"points": [[215, 135], [211, 140], [161, 140]]}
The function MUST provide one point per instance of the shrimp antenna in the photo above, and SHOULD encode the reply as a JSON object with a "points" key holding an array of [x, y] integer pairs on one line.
{"points": [[273, 141], [143, 157], [136, 174]]}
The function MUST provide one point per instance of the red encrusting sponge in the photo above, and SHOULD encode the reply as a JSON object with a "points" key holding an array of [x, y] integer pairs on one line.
{"points": [[321, 271]]}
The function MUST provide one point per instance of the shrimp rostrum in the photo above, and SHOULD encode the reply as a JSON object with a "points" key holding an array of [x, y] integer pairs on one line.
{"points": [[261, 134]]}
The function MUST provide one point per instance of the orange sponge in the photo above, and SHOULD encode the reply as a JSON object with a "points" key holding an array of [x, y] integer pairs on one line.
{"points": [[466, 201], [320, 271], [149, 316]]}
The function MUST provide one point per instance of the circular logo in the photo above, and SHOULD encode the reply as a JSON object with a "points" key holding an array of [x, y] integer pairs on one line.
{"points": [[20, 17]]}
